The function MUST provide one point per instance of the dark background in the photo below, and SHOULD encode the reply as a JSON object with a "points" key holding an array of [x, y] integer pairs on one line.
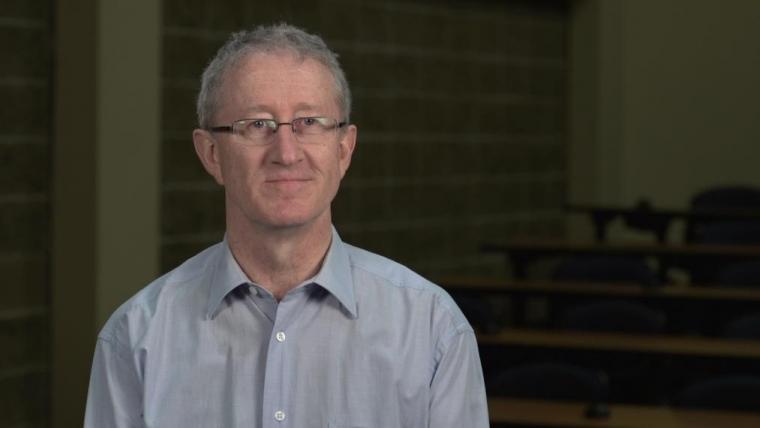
{"points": [[477, 121]]}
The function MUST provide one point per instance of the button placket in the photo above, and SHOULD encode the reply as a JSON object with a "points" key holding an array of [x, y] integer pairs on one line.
{"points": [[277, 398]]}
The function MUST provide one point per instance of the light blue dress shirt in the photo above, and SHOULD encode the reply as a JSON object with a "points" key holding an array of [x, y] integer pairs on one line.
{"points": [[366, 343]]}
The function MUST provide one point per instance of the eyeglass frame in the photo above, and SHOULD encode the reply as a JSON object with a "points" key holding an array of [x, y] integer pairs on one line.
{"points": [[231, 127]]}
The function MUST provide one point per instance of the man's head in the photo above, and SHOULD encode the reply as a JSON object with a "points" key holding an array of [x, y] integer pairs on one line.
{"points": [[273, 111], [268, 39]]}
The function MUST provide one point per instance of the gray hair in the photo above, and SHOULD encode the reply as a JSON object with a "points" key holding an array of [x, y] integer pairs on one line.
{"points": [[268, 39]]}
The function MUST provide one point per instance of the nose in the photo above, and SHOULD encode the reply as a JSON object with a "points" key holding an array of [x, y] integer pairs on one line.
{"points": [[285, 149]]}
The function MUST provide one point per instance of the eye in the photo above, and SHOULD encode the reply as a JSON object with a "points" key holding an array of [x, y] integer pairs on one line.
{"points": [[258, 124], [315, 123], [255, 128]]}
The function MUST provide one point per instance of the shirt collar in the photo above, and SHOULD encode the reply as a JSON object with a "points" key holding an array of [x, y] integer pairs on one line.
{"points": [[226, 275], [334, 276]]}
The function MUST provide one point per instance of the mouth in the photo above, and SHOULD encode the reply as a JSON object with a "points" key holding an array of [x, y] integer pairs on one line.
{"points": [[287, 180], [288, 184]]}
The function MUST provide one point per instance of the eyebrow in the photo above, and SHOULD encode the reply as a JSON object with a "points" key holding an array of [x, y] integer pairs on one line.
{"points": [[256, 108], [263, 108], [305, 106]]}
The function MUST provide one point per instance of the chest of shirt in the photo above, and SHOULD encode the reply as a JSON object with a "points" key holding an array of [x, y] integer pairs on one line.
{"points": [[304, 364]]}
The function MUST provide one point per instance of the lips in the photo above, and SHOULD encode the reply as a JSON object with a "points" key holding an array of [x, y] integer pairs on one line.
{"points": [[287, 184], [287, 180]]}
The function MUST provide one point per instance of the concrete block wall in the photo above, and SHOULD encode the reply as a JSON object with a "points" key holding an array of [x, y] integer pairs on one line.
{"points": [[460, 107], [461, 115], [25, 123]]}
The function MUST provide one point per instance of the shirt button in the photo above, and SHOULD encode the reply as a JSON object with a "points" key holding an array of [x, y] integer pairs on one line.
{"points": [[280, 336], [279, 416]]}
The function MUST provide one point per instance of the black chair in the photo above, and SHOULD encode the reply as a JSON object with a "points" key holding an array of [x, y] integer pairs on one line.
{"points": [[720, 198], [739, 274], [722, 233], [744, 232], [605, 269], [480, 312], [743, 327], [629, 372], [613, 316], [730, 196], [730, 392], [551, 381]]}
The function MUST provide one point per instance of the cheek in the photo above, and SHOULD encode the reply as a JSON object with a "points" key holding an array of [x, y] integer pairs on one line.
{"points": [[336, 169], [237, 166]]}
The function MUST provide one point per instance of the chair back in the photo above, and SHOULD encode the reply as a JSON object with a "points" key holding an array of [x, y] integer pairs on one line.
{"points": [[739, 274], [613, 316], [605, 269], [727, 197], [720, 198], [743, 327], [730, 392], [551, 381]]}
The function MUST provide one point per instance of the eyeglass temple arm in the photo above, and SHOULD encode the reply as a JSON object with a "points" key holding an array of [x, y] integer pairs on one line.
{"points": [[220, 129]]}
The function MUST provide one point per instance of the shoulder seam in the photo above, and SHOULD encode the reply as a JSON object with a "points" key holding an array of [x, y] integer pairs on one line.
{"points": [[458, 327], [115, 343]]}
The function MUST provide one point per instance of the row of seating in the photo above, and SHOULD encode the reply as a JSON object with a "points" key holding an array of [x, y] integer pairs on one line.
{"points": [[598, 377], [731, 199], [631, 317], [620, 269], [723, 216], [563, 381], [736, 199], [616, 315], [718, 205]]}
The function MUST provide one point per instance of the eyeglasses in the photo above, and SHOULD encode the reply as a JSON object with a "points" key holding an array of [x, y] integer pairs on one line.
{"points": [[307, 130]]}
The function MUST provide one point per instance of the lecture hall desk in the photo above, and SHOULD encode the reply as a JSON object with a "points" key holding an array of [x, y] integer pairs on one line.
{"points": [[656, 220], [522, 252], [644, 343], [722, 303], [572, 414], [497, 285]]}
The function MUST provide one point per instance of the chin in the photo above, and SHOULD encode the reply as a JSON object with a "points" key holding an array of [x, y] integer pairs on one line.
{"points": [[292, 220], [286, 223], [280, 214]]}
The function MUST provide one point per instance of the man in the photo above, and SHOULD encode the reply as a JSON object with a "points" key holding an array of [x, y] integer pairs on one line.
{"points": [[282, 324]]}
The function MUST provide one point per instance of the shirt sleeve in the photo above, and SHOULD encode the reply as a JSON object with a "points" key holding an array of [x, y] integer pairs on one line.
{"points": [[114, 398], [458, 392]]}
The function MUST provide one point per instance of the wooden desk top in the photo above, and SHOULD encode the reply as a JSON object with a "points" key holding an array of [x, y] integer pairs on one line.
{"points": [[694, 214], [652, 344], [645, 217], [571, 414], [559, 246], [509, 286]]}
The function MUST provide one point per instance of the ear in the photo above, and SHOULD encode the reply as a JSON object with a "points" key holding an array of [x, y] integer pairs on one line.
{"points": [[208, 152], [346, 148]]}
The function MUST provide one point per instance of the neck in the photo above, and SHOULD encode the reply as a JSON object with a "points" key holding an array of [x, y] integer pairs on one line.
{"points": [[279, 259]]}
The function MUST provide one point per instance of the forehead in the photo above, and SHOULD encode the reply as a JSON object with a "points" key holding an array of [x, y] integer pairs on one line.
{"points": [[279, 77], [279, 61]]}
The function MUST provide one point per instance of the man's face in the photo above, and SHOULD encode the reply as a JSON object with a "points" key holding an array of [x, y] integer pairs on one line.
{"points": [[284, 183]]}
